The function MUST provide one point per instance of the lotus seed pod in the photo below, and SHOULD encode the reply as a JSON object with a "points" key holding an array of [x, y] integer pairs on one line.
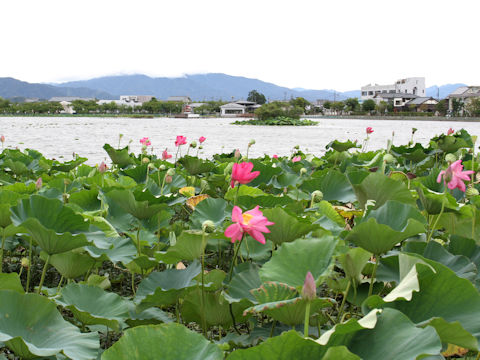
{"points": [[450, 158], [151, 166], [208, 226], [145, 160], [303, 171], [296, 147], [309, 290], [193, 144], [171, 172], [471, 192], [162, 167], [388, 158], [317, 196], [252, 142], [25, 262]]}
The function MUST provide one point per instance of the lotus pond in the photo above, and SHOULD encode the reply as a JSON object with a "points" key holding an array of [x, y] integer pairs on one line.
{"points": [[351, 255]]}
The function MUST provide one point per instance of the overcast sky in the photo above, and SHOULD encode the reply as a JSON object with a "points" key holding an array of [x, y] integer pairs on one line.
{"points": [[322, 44]]}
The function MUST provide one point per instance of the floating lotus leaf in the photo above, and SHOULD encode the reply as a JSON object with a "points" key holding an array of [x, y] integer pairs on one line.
{"points": [[31, 326], [291, 262], [371, 337], [215, 210], [92, 305], [119, 157], [380, 230], [154, 342], [196, 166], [287, 227], [164, 288], [434, 295]]}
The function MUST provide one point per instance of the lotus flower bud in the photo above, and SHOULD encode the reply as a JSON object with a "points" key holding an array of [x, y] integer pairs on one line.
{"points": [[317, 196], [145, 160], [168, 179], [102, 168], [38, 183], [193, 144], [171, 172], [309, 290], [237, 154], [25, 262], [2, 139], [208, 226], [252, 142], [303, 171], [162, 167], [388, 158], [151, 166], [471, 192], [450, 158]]}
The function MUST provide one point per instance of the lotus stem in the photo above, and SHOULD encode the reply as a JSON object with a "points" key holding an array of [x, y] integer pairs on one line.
{"points": [[204, 320], [59, 284], [29, 265], [1, 250], [163, 184], [236, 195], [43, 274], [340, 312], [473, 221], [307, 319], [272, 330], [374, 273], [436, 221], [176, 155], [133, 284], [235, 253]]}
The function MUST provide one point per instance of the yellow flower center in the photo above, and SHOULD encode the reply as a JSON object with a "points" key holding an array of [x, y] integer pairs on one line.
{"points": [[247, 218]]}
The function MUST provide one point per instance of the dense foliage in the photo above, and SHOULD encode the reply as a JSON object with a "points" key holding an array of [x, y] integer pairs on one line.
{"points": [[277, 109], [347, 255], [279, 121]]}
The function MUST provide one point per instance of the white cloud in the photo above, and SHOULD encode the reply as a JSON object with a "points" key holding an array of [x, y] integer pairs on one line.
{"points": [[341, 44]]}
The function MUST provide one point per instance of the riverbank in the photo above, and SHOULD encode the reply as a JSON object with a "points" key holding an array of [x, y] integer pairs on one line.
{"points": [[396, 118]]}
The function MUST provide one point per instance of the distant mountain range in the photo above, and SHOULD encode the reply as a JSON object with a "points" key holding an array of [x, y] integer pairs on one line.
{"points": [[198, 87]]}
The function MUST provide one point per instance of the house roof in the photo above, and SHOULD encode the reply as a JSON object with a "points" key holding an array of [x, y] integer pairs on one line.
{"points": [[179, 98], [465, 91], [419, 100], [232, 106]]}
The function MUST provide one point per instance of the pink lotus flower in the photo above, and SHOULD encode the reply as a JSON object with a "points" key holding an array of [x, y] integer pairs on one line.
{"points": [[181, 140], [296, 159], [102, 167], [145, 141], [202, 139], [242, 173], [369, 130], [454, 176], [166, 155], [251, 222], [275, 156], [450, 131]]}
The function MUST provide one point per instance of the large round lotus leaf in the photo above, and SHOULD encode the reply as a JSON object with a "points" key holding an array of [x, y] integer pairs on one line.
{"points": [[414, 154], [119, 157], [387, 226], [292, 261], [92, 305], [265, 201], [432, 294], [333, 184], [164, 288], [291, 345], [217, 310], [376, 186], [266, 172], [389, 333], [432, 201], [287, 227], [461, 223], [353, 262], [68, 165], [342, 146], [11, 281], [7, 199], [245, 279], [189, 246], [210, 209], [72, 264], [30, 325], [122, 250], [86, 199], [127, 202], [195, 165], [243, 190], [166, 342]]}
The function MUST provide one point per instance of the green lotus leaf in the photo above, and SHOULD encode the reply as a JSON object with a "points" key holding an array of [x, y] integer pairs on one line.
{"points": [[333, 184], [92, 305], [267, 173], [353, 262], [413, 154], [287, 227], [31, 326], [381, 229], [466, 247], [164, 288], [196, 166], [137, 173], [119, 157], [167, 341], [72, 264], [432, 201], [127, 202], [217, 310], [215, 210], [342, 146], [188, 246], [273, 291], [434, 295], [147, 317], [290, 345], [11, 281], [68, 165], [122, 250], [86, 199], [451, 143], [243, 190], [291, 262], [376, 186], [245, 278], [371, 337], [460, 223], [103, 282], [213, 279], [266, 201], [286, 179], [7, 199], [142, 264], [252, 249], [17, 167]]}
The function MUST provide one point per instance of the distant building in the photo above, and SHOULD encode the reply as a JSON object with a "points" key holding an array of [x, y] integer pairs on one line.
{"points": [[464, 94], [398, 100], [422, 104], [414, 86], [67, 108], [184, 99], [136, 98], [240, 107], [68, 98]]}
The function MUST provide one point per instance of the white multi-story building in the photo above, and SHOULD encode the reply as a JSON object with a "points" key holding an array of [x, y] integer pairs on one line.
{"points": [[413, 85]]}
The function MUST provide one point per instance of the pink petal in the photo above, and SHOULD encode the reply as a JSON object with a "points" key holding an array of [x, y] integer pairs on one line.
{"points": [[237, 214], [257, 235], [235, 232]]}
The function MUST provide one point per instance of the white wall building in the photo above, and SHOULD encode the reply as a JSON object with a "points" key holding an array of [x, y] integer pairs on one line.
{"points": [[413, 85]]}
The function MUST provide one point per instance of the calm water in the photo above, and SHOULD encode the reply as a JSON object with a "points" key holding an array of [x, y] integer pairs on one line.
{"points": [[59, 137]]}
